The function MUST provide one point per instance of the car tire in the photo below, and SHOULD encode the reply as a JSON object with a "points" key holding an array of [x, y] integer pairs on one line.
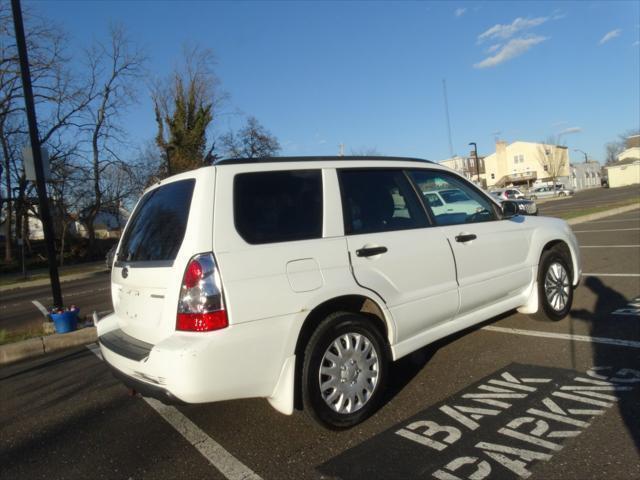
{"points": [[344, 371], [555, 292], [561, 194]]}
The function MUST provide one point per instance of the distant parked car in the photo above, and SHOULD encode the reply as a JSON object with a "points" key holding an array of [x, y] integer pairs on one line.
{"points": [[525, 207], [110, 256], [548, 191], [507, 193], [441, 202]]}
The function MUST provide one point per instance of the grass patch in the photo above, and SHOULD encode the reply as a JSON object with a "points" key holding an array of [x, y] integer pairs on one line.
{"points": [[598, 209], [62, 272], [11, 337]]}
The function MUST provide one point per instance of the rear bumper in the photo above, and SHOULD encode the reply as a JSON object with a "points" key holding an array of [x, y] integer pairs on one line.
{"points": [[240, 361], [146, 389]]}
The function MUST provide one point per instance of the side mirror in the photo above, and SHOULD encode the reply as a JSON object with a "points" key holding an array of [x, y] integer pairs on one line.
{"points": [[509, 209]]}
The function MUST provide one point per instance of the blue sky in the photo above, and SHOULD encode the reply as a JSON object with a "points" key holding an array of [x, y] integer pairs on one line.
{"points": [[369, 74]]}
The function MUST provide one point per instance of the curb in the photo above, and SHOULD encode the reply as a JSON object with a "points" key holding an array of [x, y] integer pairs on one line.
{"points": [[606, 213], [33, 347]]}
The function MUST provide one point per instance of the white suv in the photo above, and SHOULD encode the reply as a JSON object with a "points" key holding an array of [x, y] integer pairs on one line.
{"points": [[300, 279]]}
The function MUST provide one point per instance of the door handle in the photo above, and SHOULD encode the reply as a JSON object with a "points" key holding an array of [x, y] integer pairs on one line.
{"points": [[467, 237], [371, 251]]}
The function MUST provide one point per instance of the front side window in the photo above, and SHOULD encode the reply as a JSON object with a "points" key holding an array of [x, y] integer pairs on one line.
{"points": [[461, 202], [276, 206], [379, 201], [156, 230]]}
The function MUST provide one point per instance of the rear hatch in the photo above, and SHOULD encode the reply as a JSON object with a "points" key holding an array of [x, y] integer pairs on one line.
{"points": [[164, 231]]}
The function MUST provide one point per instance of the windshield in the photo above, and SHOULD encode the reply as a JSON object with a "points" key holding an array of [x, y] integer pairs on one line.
{"points": [[453, 196]]}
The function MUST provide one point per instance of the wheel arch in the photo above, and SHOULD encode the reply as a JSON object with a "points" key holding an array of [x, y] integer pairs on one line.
{"points": [[563, 248], [354, 303]]}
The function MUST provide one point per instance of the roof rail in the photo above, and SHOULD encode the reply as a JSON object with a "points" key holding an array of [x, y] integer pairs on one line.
{"points": [[234, 161]]}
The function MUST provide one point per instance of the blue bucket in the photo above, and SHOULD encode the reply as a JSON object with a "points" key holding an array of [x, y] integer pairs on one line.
{"points": [[65, 322]]}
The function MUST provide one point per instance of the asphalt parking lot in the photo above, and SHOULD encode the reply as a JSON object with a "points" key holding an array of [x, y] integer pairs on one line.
{"points": [[512, 398]]}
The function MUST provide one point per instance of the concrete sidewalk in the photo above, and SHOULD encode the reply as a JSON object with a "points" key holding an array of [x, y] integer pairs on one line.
{"points": [[40, 345]]}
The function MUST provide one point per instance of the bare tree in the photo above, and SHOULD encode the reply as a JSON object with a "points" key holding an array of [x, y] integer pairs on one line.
{"points": [[58, 97], [67, 177], [616, 147], [185, 106], [252, 141], [115, 69], [612, 150], [554, 158]]}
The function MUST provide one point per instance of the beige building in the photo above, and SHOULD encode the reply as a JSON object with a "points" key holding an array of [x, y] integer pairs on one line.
{"points": [[632, 149], [626, 171], [523, 163]]}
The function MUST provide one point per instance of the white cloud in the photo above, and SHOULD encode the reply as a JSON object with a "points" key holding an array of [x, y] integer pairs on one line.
{"points": [[636, 43], [570, 130], [507, 31], [558, 15], [459, 12], [493, 48], [513, 48], [610, 36]]}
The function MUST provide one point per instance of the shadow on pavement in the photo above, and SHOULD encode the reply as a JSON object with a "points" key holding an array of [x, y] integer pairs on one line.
{"points": [[607, 300]]}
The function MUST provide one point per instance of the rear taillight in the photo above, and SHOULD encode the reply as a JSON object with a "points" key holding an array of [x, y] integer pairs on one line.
{"points": [[201, 305]]}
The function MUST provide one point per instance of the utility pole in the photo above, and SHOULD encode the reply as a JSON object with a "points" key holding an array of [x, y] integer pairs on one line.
{"points": [[446, 109], [475, 153], [583, 152], [47, 224]]}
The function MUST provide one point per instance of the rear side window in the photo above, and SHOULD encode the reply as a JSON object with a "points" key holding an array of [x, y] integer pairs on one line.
{"points": [[274, 207], [156, 230]]}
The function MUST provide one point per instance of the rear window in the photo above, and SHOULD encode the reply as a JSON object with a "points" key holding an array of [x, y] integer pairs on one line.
{"points": [[156, 230], [274, 207]]}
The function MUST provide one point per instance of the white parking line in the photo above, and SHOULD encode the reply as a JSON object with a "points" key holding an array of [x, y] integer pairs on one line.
{"points": [[564, 336], [226, 463], [609, 246], [40, 307], [221, 459], [611, 274], [608, 230]]}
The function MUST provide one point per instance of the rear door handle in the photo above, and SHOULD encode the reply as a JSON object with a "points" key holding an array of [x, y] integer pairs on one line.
{"points": [[467, 237], [371, 251]]}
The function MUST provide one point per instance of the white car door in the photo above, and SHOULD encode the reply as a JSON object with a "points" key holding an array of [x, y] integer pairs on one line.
{"points": [[490, 253], [395, 252]]}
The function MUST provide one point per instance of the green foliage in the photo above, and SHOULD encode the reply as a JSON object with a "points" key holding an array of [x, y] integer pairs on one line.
{"points": [[186, 124]]}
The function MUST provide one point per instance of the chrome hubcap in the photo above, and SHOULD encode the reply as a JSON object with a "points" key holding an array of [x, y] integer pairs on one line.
{"points": [[348, 373], [556, 286]]}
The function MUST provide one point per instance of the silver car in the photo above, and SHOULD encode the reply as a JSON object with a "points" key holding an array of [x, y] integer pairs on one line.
{"points": [[507, 193], [548, 191]]}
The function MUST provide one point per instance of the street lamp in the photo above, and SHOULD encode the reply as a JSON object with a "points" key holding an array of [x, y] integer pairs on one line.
{"points": [[583, 152], [475, 153]]}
